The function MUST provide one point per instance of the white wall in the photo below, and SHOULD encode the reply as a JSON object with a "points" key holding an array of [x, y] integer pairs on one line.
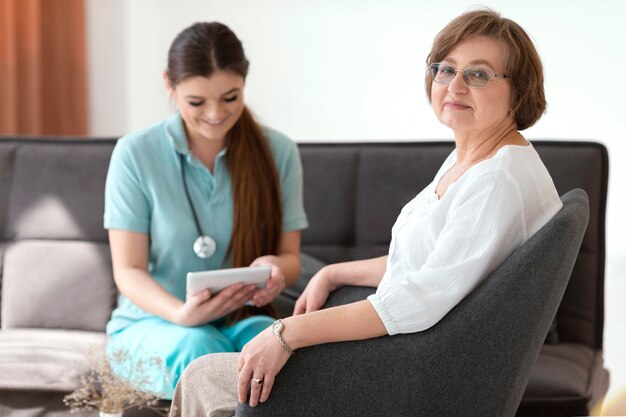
{"points": [[108, 93], [353, 70]]}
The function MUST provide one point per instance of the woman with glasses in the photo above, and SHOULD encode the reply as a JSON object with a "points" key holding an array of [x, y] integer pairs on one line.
{"points": [[484, 80]]}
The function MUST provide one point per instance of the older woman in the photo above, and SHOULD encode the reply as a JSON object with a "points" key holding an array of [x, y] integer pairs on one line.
{"points": [[484, 80]]}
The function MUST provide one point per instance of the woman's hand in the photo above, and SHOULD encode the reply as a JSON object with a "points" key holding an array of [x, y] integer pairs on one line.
{"points": [[205, 307], [316, 292], [275, 284], [260, 361]]}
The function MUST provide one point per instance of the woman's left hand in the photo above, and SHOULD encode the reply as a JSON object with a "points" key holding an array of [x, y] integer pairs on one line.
{"points": [[260, 361], [275, 284]]}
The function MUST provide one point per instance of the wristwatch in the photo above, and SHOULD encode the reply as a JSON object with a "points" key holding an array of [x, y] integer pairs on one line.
{"points": [[277, 328]]}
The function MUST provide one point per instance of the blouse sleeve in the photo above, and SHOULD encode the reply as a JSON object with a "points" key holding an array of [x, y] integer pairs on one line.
{"points": [[483, 225], [126, 206]]}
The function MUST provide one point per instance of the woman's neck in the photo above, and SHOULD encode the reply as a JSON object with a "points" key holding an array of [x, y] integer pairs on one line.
{"points": [[205, 150], [472, 148]]}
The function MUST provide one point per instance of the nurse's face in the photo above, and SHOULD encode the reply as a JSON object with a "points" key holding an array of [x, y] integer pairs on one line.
{"points": [[209, 106]]}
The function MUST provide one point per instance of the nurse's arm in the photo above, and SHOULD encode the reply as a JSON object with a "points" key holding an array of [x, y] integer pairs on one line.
{"points": [[129, 252], [287, 256]]}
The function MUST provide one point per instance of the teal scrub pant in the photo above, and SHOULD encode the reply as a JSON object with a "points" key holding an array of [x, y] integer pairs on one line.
{"points": [[152, 353]]}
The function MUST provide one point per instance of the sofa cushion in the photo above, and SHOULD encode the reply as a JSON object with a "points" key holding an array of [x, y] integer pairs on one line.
{"points": [[57, 191], [584, 165], [57, 284], [565, 376], [7, 152], [383, 188], [562, 371], [330, 210], [309, 265], [48, 360], [286, 301]]}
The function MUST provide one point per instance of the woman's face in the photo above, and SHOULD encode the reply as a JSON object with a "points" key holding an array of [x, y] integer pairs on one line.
{"points": [[209, 106], [470, 110]]}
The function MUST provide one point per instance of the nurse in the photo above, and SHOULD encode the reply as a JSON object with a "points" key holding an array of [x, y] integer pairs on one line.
{"points": [[206, 188]]}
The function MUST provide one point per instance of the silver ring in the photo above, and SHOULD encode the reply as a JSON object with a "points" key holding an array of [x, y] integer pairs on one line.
{"points": [[258, 380]]}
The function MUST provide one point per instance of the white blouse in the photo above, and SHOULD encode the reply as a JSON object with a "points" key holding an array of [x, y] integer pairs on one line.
{"points": [[441, 250]]}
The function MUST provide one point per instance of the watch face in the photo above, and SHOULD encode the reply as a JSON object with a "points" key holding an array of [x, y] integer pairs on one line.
{"points": [[277, 327]]}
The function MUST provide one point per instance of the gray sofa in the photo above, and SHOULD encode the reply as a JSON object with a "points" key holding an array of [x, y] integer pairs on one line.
{"points": [[58, 292]]}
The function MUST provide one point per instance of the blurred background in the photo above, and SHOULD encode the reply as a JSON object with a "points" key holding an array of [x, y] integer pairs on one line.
{"points": [[349, 70]]}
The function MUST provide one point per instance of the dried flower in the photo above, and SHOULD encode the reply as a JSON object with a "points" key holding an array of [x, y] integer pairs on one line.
{"points": [[101, 389]]}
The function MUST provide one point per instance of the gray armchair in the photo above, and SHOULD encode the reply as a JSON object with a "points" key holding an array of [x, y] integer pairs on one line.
{"points": [[474, 362]]}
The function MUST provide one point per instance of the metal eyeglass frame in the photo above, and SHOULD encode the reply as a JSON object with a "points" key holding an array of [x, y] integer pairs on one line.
{"points": [[435, 67]]}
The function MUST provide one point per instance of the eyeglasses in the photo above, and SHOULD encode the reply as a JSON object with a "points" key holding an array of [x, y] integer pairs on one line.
{"points": [[444, 73]]}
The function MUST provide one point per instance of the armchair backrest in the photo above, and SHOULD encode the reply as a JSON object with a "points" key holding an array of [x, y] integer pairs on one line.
{"points": [[496, 333], [475, 362]]}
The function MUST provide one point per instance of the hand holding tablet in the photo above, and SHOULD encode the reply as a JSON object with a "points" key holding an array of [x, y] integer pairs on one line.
{"points": [[218, 279]]}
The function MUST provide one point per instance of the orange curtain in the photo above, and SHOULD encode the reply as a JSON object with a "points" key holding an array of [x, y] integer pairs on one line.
{"points": [[43, 74]]}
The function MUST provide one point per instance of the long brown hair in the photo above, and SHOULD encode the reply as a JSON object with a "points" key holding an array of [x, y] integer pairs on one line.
{"points": [[200, 50], [257, 221]]}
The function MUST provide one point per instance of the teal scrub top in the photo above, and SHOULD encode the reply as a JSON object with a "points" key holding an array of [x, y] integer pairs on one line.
{"points": [[144, 193]]}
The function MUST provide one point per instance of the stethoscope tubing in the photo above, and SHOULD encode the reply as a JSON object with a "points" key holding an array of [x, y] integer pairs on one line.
{"points": [[204, 246]]}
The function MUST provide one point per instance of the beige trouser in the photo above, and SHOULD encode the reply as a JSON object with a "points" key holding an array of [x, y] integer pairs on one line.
{"points": [[208, 387]]}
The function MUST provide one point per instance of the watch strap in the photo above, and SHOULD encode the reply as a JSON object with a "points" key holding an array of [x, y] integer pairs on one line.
{"points": [[280, 338]]}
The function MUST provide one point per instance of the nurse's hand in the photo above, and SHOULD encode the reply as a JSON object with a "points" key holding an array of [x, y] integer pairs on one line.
{"points": [[204, 307], [275, 284]]}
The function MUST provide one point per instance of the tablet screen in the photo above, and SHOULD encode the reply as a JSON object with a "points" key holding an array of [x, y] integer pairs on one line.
{"points": [[218, 279]]}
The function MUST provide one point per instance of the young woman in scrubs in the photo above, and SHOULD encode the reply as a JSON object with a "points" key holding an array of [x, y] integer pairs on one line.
{"points": [[206, 188]]}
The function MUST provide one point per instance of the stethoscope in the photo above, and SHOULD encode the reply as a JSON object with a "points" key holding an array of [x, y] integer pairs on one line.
{"points": [[205, 245]]}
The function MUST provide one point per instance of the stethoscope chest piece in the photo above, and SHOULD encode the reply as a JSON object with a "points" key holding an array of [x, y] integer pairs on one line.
{"points": [[204, 246]]}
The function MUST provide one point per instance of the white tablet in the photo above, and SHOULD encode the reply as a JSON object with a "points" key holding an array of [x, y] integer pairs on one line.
{"points": [[219, 279]]}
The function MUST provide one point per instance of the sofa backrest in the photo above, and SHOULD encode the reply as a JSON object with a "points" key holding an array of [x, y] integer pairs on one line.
{"points": [[54, 256], [354, 193], [55, 268]]}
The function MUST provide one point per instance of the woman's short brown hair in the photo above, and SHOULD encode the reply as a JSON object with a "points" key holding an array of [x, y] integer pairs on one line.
{"points": [[522, 63]]}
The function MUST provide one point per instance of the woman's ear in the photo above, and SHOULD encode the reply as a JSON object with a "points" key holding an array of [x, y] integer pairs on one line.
{"points": [[168, 85]]}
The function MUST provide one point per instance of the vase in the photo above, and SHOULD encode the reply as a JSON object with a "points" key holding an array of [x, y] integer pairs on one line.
{"points": [[105, 414]]}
